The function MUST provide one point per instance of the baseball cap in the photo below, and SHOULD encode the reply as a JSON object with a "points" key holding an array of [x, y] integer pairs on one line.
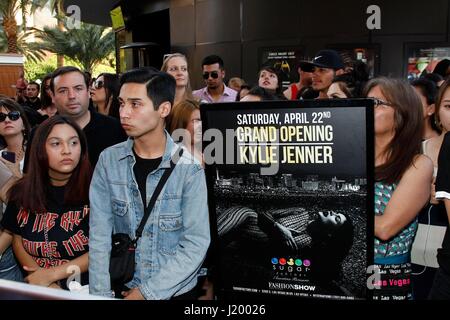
{"points": [[324, 59]]}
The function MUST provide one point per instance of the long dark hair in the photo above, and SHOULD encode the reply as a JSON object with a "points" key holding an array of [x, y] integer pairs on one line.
{"points": [[352, 83], [336, 239], [31, 191], [330, 245], [12, 105], [278, 91], [429, 90], [442, 89], [112, 87], [46, 100], [408, 122]]}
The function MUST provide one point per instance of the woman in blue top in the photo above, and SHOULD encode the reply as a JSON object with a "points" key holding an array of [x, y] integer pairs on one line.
{"points": [[402, 186]]}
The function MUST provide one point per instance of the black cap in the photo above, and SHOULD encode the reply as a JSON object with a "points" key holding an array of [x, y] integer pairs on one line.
{"points": [[324, 59]]}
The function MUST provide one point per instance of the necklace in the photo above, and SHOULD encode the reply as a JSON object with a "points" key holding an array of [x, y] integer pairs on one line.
{"points": [[57, 179]]}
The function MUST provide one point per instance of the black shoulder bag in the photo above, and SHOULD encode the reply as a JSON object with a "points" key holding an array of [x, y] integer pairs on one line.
{"points": [[122, 263]]}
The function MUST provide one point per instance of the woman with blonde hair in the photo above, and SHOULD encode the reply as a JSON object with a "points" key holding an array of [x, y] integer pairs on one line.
{"points": [[176, 65]]}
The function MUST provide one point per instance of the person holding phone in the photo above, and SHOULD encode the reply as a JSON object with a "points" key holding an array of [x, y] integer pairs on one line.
{"points": [[14, 130]]}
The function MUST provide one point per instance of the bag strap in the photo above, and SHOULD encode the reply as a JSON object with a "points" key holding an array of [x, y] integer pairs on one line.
{"points": [[155, 195]]}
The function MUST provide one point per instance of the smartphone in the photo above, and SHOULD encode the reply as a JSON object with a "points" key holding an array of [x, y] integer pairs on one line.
{"points": [[10, 156]]}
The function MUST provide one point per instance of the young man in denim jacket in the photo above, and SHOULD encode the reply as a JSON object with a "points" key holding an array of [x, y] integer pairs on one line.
{"points": [[176, 236]]}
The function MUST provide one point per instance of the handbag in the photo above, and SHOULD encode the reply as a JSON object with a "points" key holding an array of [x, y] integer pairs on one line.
{"points": [[123, 248]]}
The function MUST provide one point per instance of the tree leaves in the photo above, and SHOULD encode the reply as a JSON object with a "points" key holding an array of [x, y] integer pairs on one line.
{"points": [[88, 45]]}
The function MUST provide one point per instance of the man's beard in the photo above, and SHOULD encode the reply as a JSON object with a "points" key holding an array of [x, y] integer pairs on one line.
{"points": [[213, 85]]}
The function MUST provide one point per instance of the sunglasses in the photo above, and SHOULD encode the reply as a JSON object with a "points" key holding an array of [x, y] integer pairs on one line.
{"points": [[168, 55], [12, 115], [214, 75], [98, 84]]}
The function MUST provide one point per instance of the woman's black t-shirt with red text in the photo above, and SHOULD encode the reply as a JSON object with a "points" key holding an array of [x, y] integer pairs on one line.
{"points": [[54, 237]]}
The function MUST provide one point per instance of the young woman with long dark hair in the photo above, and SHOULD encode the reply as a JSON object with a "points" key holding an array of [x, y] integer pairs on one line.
{"points": [[104, 92], [48, 209]]}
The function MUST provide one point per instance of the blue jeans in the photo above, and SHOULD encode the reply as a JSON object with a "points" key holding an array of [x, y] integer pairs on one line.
{"points": [[9, 269]]}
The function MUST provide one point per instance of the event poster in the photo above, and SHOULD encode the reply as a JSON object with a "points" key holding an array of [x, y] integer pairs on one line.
{"points": [[283, 59], [290, 194]]}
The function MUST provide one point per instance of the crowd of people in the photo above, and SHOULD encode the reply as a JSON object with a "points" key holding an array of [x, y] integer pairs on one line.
{"points": [[86, 155]]}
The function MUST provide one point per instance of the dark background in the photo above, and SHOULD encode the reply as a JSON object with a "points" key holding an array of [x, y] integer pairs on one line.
{"points": [[237, 29]]}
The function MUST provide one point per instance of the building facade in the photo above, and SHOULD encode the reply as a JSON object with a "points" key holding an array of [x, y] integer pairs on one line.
{"points": [[395, 41]]}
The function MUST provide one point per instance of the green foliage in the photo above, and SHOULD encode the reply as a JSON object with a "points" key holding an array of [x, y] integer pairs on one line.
{"points": [[37, 70], [3, 41], [89, 45], [23, 45]]}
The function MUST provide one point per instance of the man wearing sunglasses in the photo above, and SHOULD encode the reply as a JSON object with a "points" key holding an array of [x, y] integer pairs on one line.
{"points": [[215, 90]]}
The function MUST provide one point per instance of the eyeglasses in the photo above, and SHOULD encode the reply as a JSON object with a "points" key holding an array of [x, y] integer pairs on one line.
{"points": [[12, 115], [98, 84], [214, 75], [379, 102]]}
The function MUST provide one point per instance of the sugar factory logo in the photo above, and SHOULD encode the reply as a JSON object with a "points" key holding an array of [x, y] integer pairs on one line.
{"points": [[291, 267]]}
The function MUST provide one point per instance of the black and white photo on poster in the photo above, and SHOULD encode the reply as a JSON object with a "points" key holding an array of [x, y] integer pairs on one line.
{"points": [[291, 204]]}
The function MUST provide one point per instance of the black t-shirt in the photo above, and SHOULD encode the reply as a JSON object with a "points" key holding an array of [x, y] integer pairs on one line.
{"points": [[101, 132], [34, 117], [142, 169], [66, 226], [443, 185], [36, 105]]}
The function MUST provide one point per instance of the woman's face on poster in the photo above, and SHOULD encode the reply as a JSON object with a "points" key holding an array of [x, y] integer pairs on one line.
{"points": [[332, 218]]}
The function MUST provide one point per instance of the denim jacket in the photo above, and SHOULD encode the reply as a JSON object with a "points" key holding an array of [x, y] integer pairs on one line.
{"points": [[176, 236]]}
